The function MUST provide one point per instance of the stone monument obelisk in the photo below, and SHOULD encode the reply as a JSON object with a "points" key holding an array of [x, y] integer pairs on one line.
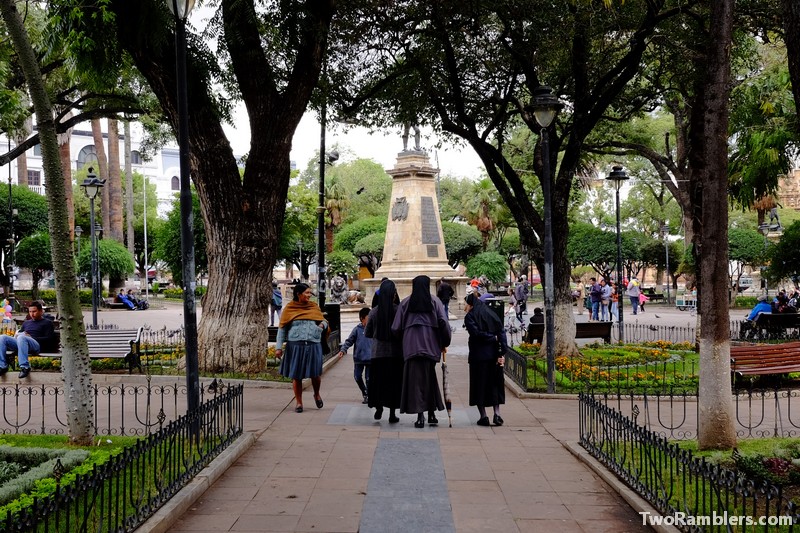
{"points": [[414, 244]]}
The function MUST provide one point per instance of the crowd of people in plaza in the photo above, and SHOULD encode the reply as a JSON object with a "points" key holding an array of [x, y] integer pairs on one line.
{"points": [[604, 298], [397, 345]]}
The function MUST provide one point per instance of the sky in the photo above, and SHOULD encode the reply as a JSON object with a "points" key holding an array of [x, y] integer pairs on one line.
{"points": [[382, 147]]}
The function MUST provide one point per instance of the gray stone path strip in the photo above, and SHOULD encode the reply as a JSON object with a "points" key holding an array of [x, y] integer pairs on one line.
{"points": [[407, 489]]}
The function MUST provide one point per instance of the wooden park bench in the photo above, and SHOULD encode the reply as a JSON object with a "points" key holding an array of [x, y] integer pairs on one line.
{"points": [[583, 330], [763, 359], [772, 326], [110, 303], [653, 295], [103, 343]]}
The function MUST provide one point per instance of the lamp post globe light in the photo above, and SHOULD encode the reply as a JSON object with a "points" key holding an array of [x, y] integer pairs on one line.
{"points": [[181, 9], [91, 187], [618, 177], [545, 107], [78, 233]]}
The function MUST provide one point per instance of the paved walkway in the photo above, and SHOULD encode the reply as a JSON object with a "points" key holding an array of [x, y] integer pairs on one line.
{"points": [[337, 469]]}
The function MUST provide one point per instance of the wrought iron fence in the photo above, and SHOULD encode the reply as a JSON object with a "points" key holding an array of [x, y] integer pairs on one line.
{"points": [[759, 412], [122, 493], [516, 368], [688, 492], [119, 409]]}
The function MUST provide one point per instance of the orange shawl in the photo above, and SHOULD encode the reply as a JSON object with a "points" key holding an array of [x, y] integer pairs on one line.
{"points": [[295, 310]]}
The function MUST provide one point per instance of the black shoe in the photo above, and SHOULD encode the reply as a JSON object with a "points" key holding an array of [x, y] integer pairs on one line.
{"points": [[365, 400], [23, 372], [319, 403], [419, 424], [484, 421], [393, 419], [432, 420], [298, 409], [378, 413], [3, 370], [498, 420]]}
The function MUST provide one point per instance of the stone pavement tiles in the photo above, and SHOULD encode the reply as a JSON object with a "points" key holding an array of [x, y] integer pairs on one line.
{"points": [[338, 469]]}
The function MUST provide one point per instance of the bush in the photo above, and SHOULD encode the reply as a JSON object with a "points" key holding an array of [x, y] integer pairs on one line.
{"points": [[48, 296], [177, 293], [746, 301], [44, 460]]}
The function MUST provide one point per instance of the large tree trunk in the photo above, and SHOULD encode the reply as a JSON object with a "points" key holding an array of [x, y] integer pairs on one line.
{"points": [[75, 363], [66, 167], [791, 36], [709, 161], [129, 191], [243, 214], [114, 182], [101, 172]]}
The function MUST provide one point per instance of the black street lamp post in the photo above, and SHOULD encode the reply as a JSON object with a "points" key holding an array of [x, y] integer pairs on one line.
{"points": [[618, 177], [324, 159], [181, 9], [545, 108], [91, 187], [764, 229], [665, 231], [11, 240]]}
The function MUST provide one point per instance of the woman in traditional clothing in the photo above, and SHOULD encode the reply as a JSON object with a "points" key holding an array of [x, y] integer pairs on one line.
{"points": [[425, 331], [386, 364], [304, 328], [487, 344]]}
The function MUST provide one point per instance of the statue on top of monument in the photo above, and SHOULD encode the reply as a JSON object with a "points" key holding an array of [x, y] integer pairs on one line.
{"points": [[406, 129]]}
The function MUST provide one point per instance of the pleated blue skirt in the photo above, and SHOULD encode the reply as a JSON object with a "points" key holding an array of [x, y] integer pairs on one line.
{"points": [[301, 359]]}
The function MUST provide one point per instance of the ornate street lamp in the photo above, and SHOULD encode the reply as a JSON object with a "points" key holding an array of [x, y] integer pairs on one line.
{"points": [[665, 232], [545, 107], [91, 187], [618, 177], [324, 159], [181, 9]]}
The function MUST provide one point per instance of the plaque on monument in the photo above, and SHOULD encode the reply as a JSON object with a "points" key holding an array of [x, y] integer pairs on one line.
{"points": [[430, 227], [433, 250]]}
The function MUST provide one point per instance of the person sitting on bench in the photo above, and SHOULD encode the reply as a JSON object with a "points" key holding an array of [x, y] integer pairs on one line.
{"points": [[36, 333], [124, 300], [748, 324]]}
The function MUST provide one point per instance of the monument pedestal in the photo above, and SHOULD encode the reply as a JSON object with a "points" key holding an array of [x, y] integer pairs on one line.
{"points": [[414, 244]]}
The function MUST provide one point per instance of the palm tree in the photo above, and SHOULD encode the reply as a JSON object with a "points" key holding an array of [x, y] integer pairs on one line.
{"points": [[336, 201], [478, 211]]}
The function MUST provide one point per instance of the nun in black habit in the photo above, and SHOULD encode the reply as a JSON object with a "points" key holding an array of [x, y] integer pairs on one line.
{"points": [[487, 346]]}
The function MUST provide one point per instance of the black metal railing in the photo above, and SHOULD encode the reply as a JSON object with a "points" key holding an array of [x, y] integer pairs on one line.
{"points": [[119, 409], [759, 413], [516, 368], [122, 493], [683, 489]]}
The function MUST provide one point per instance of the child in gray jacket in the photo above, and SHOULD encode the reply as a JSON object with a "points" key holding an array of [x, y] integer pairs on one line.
{"points": [[361, 352]]}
